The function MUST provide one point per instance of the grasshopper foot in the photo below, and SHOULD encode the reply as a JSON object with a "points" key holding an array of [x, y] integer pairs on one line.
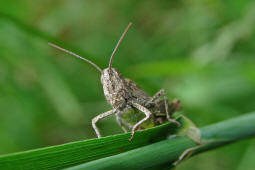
{"points": [[175, 122]]}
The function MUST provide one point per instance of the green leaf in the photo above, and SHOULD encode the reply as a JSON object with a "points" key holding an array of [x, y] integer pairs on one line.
{"points": [[110, 149], [167, 151], [66, 155]]}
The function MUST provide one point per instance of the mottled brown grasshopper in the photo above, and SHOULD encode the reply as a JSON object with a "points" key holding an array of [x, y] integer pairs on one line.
{"points": [[124, 95]]}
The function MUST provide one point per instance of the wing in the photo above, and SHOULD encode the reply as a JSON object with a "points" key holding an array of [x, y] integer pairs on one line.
{"points": [[137, 93]]}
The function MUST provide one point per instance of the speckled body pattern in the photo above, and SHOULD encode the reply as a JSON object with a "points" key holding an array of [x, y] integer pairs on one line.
{"points": [[123, 94], [120, 92]]}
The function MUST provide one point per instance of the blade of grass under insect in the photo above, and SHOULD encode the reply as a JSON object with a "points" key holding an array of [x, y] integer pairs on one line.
{"points": [[169, 150], [61, 156]]}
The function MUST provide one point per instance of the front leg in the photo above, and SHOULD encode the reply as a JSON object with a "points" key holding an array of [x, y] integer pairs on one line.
{"points": [[147, 116], [160, 93], [101, 116]]}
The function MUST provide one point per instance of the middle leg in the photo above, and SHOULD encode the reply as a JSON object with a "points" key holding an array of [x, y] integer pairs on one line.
{"points": [[122, 123]]}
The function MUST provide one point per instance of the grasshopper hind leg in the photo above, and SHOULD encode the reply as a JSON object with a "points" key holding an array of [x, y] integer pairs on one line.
{"points": [[156, 97], [168, 114]]}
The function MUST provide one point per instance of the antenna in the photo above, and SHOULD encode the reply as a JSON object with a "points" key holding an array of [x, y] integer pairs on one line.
{"points": [[116, 47], [76, 55]]}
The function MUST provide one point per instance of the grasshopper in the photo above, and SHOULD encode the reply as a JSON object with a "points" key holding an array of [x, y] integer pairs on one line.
{"points": [[124, 95]]}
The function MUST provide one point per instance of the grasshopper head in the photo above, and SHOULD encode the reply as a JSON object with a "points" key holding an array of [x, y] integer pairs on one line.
{"points": [[114, 87]]}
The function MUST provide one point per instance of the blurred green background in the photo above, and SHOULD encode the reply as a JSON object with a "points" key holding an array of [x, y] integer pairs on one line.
{"points": [[201, 52]]}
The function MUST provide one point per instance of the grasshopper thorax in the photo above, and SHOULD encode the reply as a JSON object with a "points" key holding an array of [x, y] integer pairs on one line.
{"points": [[114, 87]]}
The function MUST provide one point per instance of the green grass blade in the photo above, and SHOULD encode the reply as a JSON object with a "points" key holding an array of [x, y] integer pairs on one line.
{"points": [[169, 150], [66, 155], [107, 152]]}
